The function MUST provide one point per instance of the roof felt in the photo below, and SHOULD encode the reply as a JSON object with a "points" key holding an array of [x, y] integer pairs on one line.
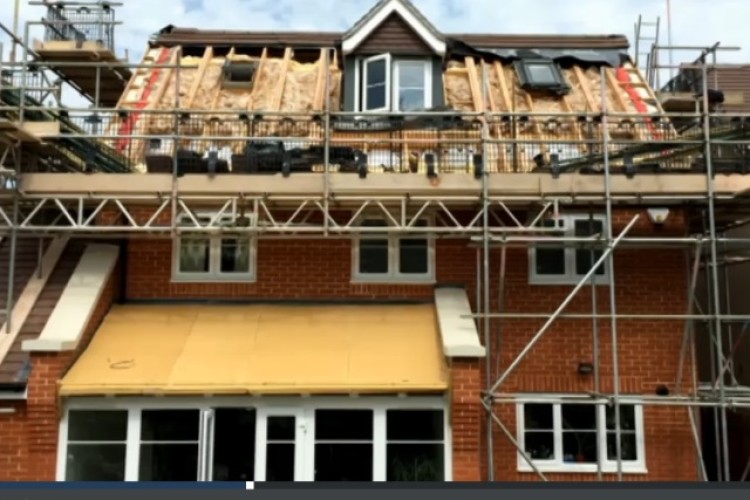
{"points": [[172, 36]]}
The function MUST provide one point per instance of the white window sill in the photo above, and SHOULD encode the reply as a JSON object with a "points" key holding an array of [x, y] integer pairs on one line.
{"points": [[583, 468]]}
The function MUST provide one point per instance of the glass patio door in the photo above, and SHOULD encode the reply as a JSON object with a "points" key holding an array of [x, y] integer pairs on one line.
{"points": [[279, 448]]}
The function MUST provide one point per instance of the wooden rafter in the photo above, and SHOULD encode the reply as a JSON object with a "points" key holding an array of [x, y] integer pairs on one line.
{"points": [[476, 90], [614, 87], [494, 108], [219, 89], [504, 92], [198, 79], [259, 74], [535, 123], [583, 81], [279, 94], [133, 78], [164, 81], [320, 84], [569, 109]]}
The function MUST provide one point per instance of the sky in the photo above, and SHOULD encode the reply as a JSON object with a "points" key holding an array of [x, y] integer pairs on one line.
{"points": [[693, 22]]}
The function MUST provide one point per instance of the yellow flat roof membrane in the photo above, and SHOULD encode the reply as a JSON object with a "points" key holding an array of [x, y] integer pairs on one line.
{"points": [[274, 350]]}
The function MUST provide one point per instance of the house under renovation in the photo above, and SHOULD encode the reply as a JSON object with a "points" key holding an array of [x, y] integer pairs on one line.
{"points": [[384, 254]]}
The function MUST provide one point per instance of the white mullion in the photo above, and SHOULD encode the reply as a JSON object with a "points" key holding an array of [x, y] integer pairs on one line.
{"points": [[602, 434], [447, 444], [304, 469], [557, 432], [379, 445], [261, 426], [640, 435], [428, 84], [132, 445], [62, 447]]}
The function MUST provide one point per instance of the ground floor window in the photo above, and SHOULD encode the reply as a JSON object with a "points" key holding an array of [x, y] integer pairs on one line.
{"points": [[580, 437], [337, 440]]}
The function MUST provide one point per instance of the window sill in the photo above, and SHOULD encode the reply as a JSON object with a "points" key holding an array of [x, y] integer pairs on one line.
{"points": [[583, 468], [566, 281], [394, 281], [233, 280]]}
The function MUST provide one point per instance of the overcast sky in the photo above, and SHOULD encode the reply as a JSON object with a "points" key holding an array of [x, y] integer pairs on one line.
{"points": [[694, 22]]}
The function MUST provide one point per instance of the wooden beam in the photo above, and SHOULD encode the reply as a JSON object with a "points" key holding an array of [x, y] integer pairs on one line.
{"points": [[279, 94], [495, 128], [199, 74], [219, 88], [583, 81], [258, 76], [320, 84], [615, 87], [133, 78], [505, 93], [476, 90], [164, 81]]}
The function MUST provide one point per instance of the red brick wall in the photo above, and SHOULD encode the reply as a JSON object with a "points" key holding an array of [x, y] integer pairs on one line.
{"points": [[466, 419], [33, 430], [14, 457], [648, 281]]}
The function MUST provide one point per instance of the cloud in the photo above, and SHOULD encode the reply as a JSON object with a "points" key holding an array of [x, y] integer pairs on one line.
{"points": [[694, 22]]}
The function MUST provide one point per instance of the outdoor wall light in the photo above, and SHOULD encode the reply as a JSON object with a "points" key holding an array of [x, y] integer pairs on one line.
{"points": [[658, 215], [585, 368]]}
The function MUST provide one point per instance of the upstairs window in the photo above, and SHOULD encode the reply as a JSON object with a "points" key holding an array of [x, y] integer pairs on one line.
{"points": [[210, 257], [388, 258], [541, 74], [397, 85], [552, 263]]}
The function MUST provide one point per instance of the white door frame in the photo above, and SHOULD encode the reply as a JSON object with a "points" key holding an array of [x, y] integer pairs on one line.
{"points": [[261, 439]]}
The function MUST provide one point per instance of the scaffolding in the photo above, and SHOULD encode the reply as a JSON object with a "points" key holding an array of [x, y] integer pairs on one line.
{"points": [[82, 178]]}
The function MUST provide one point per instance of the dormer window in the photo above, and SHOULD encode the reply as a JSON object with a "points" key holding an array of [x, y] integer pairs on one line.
{"points": [[541, 74], [390, 84]]}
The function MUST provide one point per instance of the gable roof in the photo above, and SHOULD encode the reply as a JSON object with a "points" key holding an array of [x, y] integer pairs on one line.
{"points": [[380, 12]]}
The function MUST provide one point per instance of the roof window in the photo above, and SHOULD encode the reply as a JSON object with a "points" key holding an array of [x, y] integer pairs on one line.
{"points": [[541, 74], [239, 74]]}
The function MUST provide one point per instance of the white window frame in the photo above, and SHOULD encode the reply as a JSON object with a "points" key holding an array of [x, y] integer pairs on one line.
{"points": [[214, 273], [302, 408], [392, 82], [570, 277], [388, 84], [559, 465], [393, 276], [427, 68]]}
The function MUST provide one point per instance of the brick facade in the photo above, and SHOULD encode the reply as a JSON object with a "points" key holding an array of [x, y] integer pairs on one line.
{"points": [[28, 437], [648, 281]]}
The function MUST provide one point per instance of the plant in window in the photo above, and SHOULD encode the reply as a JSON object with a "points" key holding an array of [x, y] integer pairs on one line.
{"points": [[417, 469]]}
